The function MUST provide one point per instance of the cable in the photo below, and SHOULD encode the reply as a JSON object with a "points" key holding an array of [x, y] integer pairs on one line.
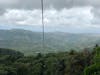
{"points": [[43, 38]]}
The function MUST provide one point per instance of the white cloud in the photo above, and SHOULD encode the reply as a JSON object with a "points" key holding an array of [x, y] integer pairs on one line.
{"points": [[70, 17], [21, 17], [52, 17], [81, 14]]}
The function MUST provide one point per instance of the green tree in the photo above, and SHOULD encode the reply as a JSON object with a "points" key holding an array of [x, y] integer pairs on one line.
{"points": [[95, 68]]}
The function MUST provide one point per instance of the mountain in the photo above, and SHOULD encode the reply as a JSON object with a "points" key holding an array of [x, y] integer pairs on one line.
{"points": [[30, 42], [10, 52]]}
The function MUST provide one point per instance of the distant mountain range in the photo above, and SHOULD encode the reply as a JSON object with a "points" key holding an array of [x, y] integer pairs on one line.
{"points": [[30, 42]]}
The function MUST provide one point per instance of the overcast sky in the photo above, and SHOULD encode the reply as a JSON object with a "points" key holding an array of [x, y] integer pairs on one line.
{"points": [[82, 15]]}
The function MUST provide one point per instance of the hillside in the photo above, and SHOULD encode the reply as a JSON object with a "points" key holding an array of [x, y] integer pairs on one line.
{"points": [[48, 64], [30, 42]]}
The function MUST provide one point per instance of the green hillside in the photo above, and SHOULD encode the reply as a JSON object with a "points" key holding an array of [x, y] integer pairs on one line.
{"points": [[62, 63], [30, 42]]}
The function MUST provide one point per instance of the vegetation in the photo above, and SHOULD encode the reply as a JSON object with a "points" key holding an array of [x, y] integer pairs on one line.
{"points": [[65, 63], [95, 68], [29, 42]]}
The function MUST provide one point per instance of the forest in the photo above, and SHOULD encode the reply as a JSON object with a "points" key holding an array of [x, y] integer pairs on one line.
{"points": [[85, 62], [29, 42]]}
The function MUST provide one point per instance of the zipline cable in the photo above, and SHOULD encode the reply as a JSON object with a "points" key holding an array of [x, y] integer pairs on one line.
{"points": [[43, 38]]}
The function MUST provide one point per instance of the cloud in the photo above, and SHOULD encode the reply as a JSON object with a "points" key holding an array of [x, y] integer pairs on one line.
{"points": [[57, 4], [21, 17], [96, 14], [52, 17], [57, 13]]}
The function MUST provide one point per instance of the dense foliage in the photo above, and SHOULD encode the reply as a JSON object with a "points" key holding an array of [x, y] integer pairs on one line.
{"points": [[95, 68], [66, 63]]}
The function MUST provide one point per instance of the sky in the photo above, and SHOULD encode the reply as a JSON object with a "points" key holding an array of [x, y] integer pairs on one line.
{"points": [[80, 16]]}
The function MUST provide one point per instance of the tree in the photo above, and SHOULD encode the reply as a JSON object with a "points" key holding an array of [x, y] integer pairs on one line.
{"points": [[94, 69]]}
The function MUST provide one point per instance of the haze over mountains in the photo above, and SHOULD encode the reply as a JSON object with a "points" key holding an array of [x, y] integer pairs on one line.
{"points": [[30, 42], [52, 28]]}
